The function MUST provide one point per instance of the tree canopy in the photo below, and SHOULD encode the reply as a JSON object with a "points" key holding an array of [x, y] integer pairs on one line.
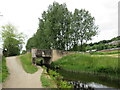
{"points": [[61, 29], [12, 40]]}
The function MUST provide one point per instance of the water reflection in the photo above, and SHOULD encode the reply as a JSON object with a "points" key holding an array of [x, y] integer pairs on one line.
{"points": [[89, 80], [88, 86]]}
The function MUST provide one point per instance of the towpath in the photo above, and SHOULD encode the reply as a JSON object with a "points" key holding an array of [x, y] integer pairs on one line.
{"points": [[18, 78]]}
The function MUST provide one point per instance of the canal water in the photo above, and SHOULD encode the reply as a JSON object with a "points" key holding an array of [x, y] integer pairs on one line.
{"points": [[89, 80]]}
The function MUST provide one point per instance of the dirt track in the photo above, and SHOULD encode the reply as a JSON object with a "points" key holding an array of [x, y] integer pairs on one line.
{"points": [[18, 78]]}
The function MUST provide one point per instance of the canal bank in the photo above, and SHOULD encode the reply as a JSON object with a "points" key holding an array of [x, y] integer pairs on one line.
{"points": [[97, 71], [82, 80]]}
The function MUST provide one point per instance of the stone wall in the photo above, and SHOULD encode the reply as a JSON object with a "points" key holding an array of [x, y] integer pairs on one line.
{"points": [[57, 54]]}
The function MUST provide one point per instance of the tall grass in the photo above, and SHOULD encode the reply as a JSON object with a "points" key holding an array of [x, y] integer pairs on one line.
{"points": [[86, 62], [27, 63]]}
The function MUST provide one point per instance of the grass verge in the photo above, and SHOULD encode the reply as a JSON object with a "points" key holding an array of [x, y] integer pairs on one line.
{"points": [[27, 63], [47, 82], [3, 70], [88, 63]]}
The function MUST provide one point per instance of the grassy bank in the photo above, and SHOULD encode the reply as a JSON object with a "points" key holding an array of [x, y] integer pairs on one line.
{"points": [[89, 63], [47, 82], [106, 53], [52, 79], [27, 63], [3, 70]]}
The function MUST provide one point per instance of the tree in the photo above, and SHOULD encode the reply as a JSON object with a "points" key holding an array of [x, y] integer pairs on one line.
{"points": [[60, 29], [54, 28], [12, 41], [30, 43], [83, 26]]}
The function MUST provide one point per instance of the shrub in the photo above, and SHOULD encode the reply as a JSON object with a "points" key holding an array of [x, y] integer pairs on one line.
{"points": [[59, 79]]}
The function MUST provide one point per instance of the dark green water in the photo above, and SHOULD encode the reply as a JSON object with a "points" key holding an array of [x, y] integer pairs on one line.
{"points": [[99, 81]]}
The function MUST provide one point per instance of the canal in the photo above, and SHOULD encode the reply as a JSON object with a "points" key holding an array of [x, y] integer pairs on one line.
{"points": [[89, 80]]}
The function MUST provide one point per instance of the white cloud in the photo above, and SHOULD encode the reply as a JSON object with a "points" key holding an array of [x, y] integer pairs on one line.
{"points": [[24, 14]]}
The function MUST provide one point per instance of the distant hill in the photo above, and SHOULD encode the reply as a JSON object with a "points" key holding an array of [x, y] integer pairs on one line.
{"points": [[106, 41], [104, 44]]}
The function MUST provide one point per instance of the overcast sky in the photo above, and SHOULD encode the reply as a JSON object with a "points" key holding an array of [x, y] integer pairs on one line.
{"points": [[24, 14]]}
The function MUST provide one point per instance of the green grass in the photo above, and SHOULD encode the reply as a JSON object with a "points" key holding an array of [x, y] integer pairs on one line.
{"points": [[4, 72], [47, 82], [89, 63], [106, 53], [26, 60]]}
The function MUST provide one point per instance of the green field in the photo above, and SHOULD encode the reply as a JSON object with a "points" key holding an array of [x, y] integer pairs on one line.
{"points": [[89, 63], [27, 63], [3, 70]]}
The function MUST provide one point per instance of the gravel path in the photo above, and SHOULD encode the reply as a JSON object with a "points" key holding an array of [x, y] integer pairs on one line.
{"points": [[18, 78]]}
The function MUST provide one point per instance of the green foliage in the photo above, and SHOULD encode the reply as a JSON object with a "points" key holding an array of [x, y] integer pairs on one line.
{"points": [[26, 60], [44, 67], [24, 51], [103, 44], [60, 29], [115, 38], [46, 81], [56, 76], [83, 26], [4, 74], [39, 60], [89, 63], [12, 41], [30, 43]]}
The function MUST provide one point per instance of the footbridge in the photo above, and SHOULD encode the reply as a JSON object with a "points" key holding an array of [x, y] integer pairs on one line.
{"points": [[49, 55]]}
